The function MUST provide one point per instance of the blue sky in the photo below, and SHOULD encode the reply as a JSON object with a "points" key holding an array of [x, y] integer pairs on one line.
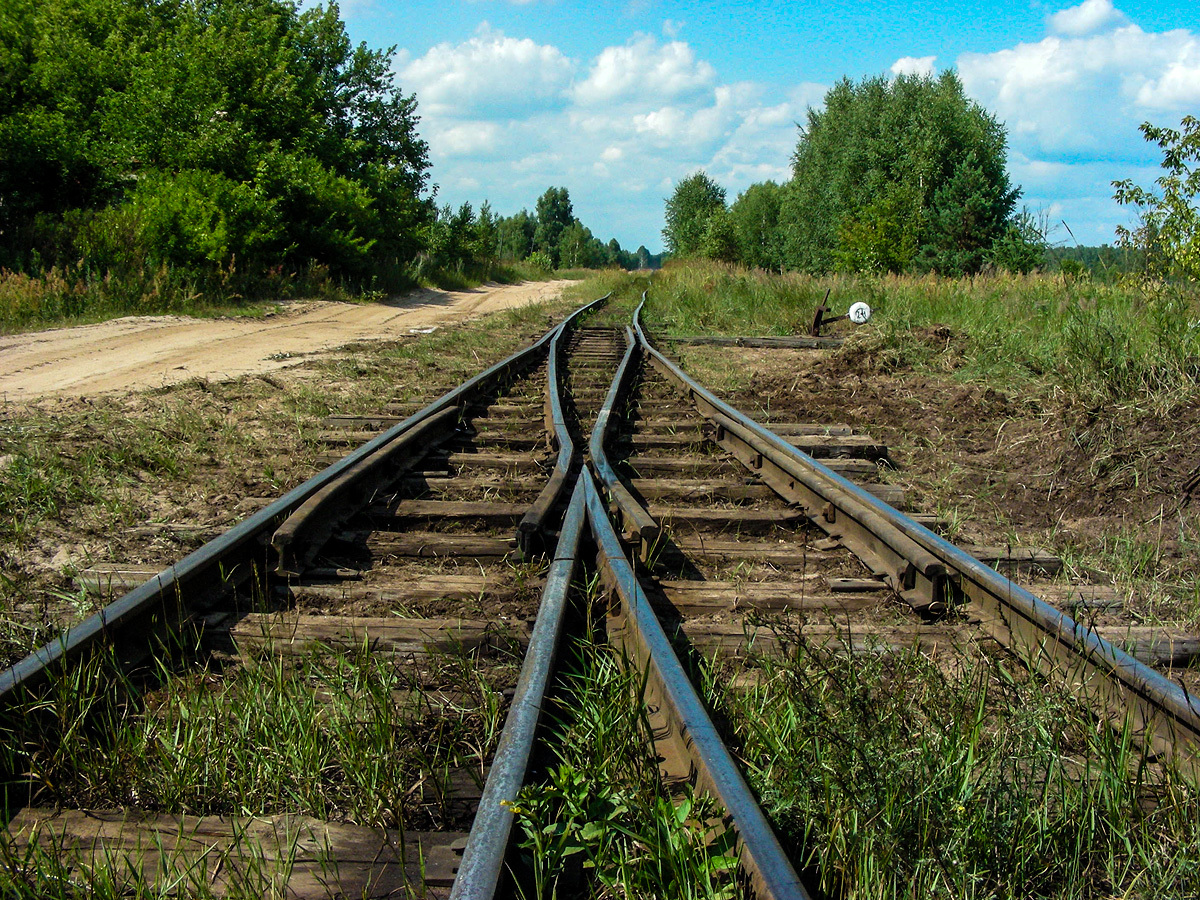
{"points": [[618, 101]]}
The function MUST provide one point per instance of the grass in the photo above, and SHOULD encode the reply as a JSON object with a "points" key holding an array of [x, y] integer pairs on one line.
{"points": [[889, 778], [77, 295], [602, 822], [78, 478], [1110, 340], [337, 736], [1029, 407]]}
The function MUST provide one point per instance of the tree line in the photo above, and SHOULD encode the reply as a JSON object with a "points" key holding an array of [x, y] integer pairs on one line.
{"points": [[903, 174], [551, 237], [238, 142]]}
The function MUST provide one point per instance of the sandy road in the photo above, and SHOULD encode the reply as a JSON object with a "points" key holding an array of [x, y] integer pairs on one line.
{"points": [[151, 351]]}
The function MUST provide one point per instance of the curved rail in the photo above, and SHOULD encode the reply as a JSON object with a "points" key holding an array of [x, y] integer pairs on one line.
{"points": [[761, 856], [532, 530], [637, 525], [928, 571], [151, 612], [483, 858]]}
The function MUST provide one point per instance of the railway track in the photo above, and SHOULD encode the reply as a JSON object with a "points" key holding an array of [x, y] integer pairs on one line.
{"points": [[418, 593]]}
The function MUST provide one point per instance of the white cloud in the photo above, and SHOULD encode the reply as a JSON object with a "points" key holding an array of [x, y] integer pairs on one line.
{"points": [[1178, 88], [641, 116], [488, 70], [1086, 94], [644, 68], [1072, 103], [470, 139], [1088, 17], [914, 65]]}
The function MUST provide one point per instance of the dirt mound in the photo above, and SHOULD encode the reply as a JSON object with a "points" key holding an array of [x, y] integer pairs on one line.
{"points": [[1037, 468]]}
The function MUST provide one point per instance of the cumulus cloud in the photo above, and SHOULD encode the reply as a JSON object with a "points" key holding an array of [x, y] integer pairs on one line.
{"points": [[516, 117], [914, 65], [487, 71], [1086, 94], [1177, 88], [1088, 17], [1073, 101], [644, 68]]}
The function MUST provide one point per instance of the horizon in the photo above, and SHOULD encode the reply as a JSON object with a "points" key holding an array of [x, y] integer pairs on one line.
{"points": [[618, 102]]}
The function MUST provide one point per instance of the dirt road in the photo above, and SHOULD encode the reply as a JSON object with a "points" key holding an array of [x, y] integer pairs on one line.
{"points": [[151, 351]]}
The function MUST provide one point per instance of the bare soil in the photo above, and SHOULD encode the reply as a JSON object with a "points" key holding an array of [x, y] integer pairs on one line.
{"points": [[154, 351], [1109, 487]]}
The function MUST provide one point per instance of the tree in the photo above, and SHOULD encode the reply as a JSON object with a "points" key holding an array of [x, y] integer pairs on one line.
{"points": [[575, 247], [688, 210], [554, 215], [1023, 246], [516, 235], [213, 130], [486, 244], [755, 219], [720, 240], [1169, 233], [895, 174]]}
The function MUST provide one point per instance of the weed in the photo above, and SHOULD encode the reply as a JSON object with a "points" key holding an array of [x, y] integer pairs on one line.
{"points": [[888, 777], [603, 822]]}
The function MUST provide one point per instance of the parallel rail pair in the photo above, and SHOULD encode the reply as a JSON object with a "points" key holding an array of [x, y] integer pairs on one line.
{"points": [[925, 570]]}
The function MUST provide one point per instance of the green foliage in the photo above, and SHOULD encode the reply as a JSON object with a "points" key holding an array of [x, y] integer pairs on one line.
{"points": [[196, 745], [695, 200], [1169, 234], [554, 215], [896, 174], [720, 238], [515, 235], [894, 779], [205, 134], [1022, 246], [755, 219], [602, 822], [1101, 340], [879, 237]]}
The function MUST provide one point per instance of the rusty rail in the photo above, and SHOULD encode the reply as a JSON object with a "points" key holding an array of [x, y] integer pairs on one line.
{"points": [[930, 572], [147, 617]]}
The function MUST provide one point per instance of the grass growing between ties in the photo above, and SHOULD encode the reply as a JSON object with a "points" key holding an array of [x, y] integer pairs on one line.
{"points": [[93, 480], [1036, 410], [603, 823], [353, 737], [889, 778]]}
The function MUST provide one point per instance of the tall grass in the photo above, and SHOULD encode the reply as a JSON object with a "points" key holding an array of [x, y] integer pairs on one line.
{"points": [[889, 778], [62, 295], [1108, 340], [602, 822], [74, 294], [338, 736]]}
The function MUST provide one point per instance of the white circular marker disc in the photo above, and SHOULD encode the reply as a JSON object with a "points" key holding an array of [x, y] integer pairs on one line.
{"points": [[859, 312]]}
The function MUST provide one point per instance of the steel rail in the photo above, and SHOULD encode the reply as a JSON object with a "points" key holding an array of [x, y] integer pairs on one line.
{"points": [[915, 560], [487, 843], [533, 529], [762, 858], [150, 613], [637, 525]]}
